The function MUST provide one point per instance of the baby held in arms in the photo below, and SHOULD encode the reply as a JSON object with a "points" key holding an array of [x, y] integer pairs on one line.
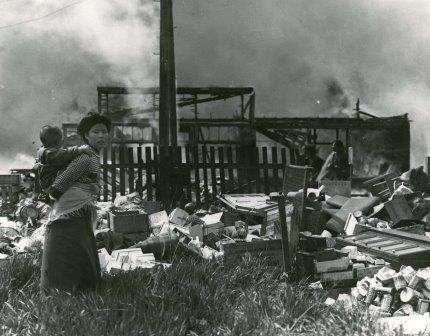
{"points": [[52, 158]]}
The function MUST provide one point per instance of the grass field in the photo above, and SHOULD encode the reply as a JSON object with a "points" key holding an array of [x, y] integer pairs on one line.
{"points": [[191, 298]]}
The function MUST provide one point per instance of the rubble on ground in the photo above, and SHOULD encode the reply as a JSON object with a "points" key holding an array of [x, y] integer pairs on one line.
{"points": [[214, 234], [398, 299], [234, 225], [127, 259]]}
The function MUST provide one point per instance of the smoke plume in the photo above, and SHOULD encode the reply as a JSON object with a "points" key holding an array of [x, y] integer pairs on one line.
{"points": [[313, 57], [50, 68], [303, 58]]}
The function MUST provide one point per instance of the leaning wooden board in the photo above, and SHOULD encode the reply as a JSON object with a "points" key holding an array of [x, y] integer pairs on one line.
{"points": [[395, 246]]}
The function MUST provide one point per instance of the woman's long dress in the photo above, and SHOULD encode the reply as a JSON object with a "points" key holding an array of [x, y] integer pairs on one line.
{"points": [[70, 259]]}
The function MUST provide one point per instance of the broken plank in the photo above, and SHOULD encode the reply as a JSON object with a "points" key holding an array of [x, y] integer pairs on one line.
{"points": [[383, 243]]}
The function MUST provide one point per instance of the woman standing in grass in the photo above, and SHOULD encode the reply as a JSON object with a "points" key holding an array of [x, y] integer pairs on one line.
{"points": [[70, 260]]}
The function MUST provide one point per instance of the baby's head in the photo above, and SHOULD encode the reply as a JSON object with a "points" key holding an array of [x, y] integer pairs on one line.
{"points": [[51, 136]]}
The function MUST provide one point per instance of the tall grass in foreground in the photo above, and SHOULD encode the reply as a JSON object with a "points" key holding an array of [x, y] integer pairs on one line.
{"points": [[191, 298]]}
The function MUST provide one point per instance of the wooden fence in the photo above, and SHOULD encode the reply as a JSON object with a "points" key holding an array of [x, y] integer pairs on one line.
{"points": [[195, 173]]}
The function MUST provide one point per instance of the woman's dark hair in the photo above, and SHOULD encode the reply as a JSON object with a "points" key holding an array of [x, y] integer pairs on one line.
{"points": [[90, 120]]}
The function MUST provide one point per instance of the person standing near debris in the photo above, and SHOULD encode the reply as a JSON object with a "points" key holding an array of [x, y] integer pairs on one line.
{"points": [[51, 157], [336, 166], [311, 159], [70, 259], [416, 183]]}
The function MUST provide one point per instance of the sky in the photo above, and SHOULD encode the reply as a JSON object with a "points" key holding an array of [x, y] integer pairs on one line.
{"points": [[303, 58]]}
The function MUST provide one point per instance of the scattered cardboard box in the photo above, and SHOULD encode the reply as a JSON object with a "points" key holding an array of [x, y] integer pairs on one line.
{"points": [[351, 225], [178, 217], [104, 258], [212, 224], [158, 220]]}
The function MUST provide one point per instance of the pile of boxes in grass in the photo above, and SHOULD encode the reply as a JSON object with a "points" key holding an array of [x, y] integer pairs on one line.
{"points": [[219, 233], [210, 235], [346, 264], [127, 260], [391, 293]]}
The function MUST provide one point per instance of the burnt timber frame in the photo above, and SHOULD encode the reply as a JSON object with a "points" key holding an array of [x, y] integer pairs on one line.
{"points": [[293, 133], [303, 123], [191, 96], [215, 93], [209, 90]]}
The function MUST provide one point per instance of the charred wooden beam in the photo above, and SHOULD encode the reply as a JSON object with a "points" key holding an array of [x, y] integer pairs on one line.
{"points": [[333, 123], [186, 124], [186, 90], [304, 123], [140, 123], [192, 101], [280, 138]]}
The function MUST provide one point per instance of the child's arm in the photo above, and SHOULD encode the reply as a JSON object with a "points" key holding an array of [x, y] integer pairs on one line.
{"points": [[66, 155], [78, 150]]}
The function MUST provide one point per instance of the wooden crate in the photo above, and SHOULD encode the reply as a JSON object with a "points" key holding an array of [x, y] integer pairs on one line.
{"points": [[10, 180], [346, 275], [151, 207], [336, 265], [394, 246], [398, 209], [333, 188], [128, 222], [314, 221], [270, 249], [369, 270]]}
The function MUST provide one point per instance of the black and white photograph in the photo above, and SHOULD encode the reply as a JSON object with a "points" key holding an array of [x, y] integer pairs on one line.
{"points": [[214, 167]]}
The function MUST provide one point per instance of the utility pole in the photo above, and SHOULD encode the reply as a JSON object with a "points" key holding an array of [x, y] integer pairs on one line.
{"points": [[167, 116], [168, 123]]}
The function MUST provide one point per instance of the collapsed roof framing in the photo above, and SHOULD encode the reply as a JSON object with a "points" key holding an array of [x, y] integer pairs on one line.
{"points": [[190, 97], [294, 133]]}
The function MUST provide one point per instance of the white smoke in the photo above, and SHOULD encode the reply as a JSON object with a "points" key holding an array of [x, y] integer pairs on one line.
{"points": [[50, 68], [288, 49], [19, 161]]}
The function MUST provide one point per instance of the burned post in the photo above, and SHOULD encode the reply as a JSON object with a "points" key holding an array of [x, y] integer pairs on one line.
{"points": [[286, 255], [167, 112]]}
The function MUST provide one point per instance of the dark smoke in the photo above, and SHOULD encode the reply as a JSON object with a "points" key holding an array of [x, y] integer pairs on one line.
{"points": [[336, 97], [313, 57]]}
